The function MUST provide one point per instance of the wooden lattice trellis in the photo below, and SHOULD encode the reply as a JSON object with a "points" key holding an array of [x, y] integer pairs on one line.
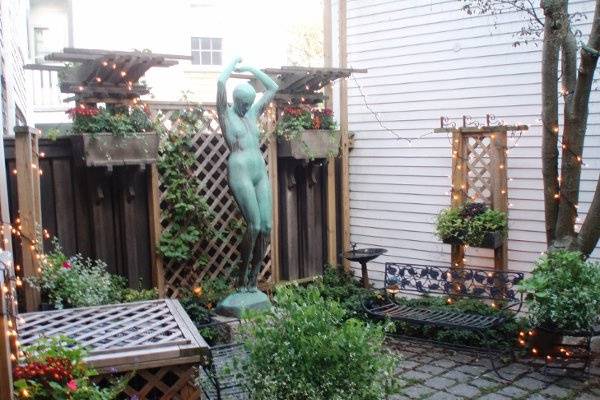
{"points": [[210, 168], [479, 164], [155, 339]]}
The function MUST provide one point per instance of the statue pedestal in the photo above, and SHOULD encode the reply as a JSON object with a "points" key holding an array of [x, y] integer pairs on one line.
{"points": [[235, 304]]}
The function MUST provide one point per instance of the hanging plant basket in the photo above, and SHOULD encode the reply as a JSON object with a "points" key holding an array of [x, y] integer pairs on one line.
{"points": [[491, 240], [108, 150], [310, 144]]}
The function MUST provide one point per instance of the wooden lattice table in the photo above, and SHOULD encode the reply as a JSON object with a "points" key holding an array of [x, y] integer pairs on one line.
{"points": [[156, 339]]}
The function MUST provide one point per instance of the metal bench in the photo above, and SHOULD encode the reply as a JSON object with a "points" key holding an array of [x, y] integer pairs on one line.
{"points": [[494, 287]]}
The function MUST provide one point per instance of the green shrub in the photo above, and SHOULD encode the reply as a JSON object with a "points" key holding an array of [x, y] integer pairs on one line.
{"points": [[451, 225], [75, 281], [307, 348], [563, 292]]}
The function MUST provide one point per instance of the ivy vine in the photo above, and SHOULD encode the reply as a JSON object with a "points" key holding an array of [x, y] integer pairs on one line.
{"points": [[186, 210]]}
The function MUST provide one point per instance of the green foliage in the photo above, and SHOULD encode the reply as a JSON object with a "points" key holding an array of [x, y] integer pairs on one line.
{"points": [[297, 119], [75, 281], [451, 225], [502, 337], [186, 210], [563, 292], [461, 226], [121, 122], [53, 369], [341, 286], [129, 295], [307, 348]]}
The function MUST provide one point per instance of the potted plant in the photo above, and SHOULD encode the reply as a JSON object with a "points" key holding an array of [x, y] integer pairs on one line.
{"points": [[474, 224], [307, 134], [563, 297], [119, 136]]}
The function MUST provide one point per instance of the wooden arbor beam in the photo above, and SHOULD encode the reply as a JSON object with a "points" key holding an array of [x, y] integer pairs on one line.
{"points": [[30, 209]]}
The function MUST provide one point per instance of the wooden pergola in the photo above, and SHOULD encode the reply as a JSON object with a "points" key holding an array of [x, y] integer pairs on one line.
{"points": [[105, 76]]}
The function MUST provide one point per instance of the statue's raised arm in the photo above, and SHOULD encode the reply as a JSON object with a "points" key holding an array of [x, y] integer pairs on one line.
{"points": [[271, 88]]}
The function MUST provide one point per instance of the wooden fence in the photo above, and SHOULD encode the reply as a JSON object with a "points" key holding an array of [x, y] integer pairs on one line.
{"points": [[93, 212]]}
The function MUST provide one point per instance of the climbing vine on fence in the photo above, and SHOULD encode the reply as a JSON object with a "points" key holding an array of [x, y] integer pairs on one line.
{"points": [[186, 210]]}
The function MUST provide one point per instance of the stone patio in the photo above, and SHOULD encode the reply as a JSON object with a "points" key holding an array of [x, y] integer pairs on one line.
{"points": [[437, 373]]}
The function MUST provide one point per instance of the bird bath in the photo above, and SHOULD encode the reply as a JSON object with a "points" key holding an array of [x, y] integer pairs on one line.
{"points": [[363, 256]]}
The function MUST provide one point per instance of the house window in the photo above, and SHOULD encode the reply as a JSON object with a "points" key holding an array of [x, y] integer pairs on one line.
{"points": [[207, 51], [40, 44]]}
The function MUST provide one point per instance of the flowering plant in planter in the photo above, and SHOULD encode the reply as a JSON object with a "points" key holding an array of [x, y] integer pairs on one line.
{"points": [[54, 370], [307, 134], [119, 136], [474, 224], [122, 122]]}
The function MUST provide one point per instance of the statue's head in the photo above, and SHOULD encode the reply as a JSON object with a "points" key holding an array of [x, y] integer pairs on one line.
{"points": [[243, 98]]}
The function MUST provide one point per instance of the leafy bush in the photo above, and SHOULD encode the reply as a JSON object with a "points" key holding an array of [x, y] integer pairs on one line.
{"points": [[75, 281], [54, 370], [307, 348], [470, 224], [341, 286], [78, 281], [563, 292]]}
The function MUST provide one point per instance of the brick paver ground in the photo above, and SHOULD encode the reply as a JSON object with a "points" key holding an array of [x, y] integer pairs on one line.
{"points": [[433, 372]]}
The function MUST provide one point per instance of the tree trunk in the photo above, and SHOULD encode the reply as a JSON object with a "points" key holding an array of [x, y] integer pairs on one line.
{"points": [[550, 58], [590, 230]]}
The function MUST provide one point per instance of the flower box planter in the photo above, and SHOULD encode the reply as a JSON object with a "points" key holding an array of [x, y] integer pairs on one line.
{"points": [[492, 240], [108, 150], [310, 144]]}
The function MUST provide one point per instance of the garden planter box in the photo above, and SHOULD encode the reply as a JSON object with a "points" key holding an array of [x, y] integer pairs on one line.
{"points": [[154, 340], [492, 240], [107, 150], [310, 145]]}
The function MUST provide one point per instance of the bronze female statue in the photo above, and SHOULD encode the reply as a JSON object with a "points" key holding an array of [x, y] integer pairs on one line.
{"points": [[246, 168]]}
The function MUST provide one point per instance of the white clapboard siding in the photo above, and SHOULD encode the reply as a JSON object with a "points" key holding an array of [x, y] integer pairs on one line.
{"points": [[428, 59]]}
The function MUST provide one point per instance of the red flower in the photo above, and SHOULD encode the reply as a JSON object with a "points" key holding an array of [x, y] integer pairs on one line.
{"points": [[82, 112], [293, 111], [67, 265], [328, 112], [72, 385]]}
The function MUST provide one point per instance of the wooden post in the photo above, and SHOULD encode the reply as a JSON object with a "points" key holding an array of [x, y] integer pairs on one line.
{"points": [[330, 181], [459, 190], [345, 184], [28, 183], [498, 149], [7, 325], [158, 273], [275, 268]]}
